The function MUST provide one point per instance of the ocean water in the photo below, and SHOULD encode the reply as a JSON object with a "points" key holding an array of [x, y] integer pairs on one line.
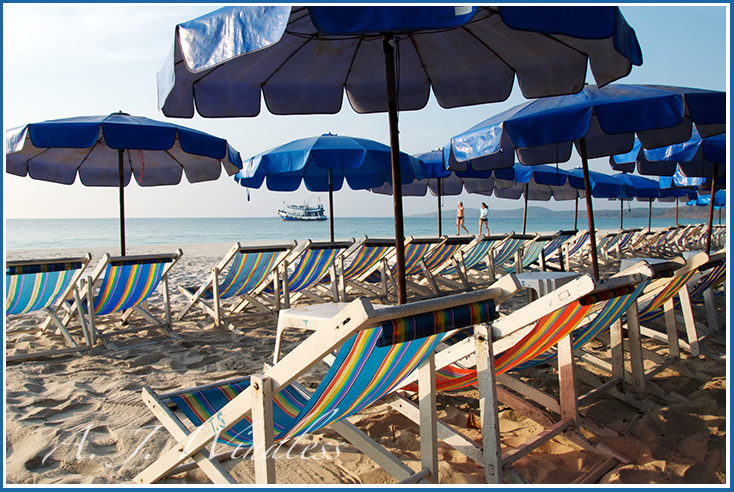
{"points": [[31, 234]]}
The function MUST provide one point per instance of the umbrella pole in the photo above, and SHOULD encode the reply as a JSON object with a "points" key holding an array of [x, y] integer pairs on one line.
{"points": [[621, 212], [711, 207], [392, 107], [439, 208], [576, 213], [525, 210], [649, 217], [331, 208], [589, 210], [120, 155], [676, 212]]}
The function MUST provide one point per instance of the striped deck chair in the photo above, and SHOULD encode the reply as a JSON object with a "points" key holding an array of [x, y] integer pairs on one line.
{"points": [[44, 285], [377, 350], [435, 261], [607, 243], [505, 258], [657, 303], [441, 267], [625, 243], [554, 249], [548, 322], [250, 269], [533, 253], [127, 284], [415, 250], [366, 255], [314, 264], [476, 257], [557, 259], [712, 274]]}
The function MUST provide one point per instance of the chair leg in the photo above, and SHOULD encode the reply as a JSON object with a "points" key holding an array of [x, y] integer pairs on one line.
{"points": [[428, 424], [490, 423], [262, 429]]}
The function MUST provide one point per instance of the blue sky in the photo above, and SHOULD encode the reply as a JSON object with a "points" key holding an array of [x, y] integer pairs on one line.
{"points": [[92, 59]]}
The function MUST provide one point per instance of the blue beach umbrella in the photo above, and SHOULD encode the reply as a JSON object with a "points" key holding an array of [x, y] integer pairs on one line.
{"points": [[109, 150], [302, 60], [697, 157], [324, 163], [705, 200], [645, 190], [599, 122]]}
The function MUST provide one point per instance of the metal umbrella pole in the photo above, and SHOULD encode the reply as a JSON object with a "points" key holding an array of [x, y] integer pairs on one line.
{"points": [[589, 210], [525, 210], [621, 213], [120, 158], [711, 207], [439, 207], [331, 208], [392, 106], [649, 217]]}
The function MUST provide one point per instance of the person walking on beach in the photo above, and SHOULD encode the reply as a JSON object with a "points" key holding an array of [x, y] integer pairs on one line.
{"points": [[460, 219], [483, 222]]}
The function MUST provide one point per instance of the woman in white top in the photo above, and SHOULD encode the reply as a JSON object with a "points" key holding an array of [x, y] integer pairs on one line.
{"points": [[483, 222]]}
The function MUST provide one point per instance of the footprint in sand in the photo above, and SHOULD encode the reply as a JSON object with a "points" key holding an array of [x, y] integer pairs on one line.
{"points": [[38, 464]]}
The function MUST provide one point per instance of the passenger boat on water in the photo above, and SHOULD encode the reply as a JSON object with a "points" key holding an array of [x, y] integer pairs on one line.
{"points": [[302, 212]]}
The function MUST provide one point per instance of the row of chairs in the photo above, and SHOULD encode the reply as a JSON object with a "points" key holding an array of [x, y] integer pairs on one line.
{"points": [[387, 352]]}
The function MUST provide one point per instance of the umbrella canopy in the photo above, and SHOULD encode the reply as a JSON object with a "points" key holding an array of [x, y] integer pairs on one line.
{"points": [[697, 157], [324, 163], [598, 121], [302, 60], [705, 200], [109, 150], [645, 190]]}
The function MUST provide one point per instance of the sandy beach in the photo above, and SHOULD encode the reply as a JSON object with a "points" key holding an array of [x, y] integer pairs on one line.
{"points": [[81, 420]]}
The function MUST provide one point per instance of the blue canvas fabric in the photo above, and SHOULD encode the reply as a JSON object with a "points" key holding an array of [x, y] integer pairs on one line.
{"points": [[222, 64], [543, 131]]}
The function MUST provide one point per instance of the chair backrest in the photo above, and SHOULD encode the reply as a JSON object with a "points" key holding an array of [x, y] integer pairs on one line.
{"points": [[533, 252], [580, 242], [443, 252], [554, 244], [370, 364], [314, 264], [651, 308], [128, 281], [34, 285], [368, 256], [415, 250], [474, 257], [506, 251], [250, 267]]}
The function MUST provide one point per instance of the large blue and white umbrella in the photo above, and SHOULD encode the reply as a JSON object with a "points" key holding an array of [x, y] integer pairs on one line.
{"points": [[324, 163], [599, 121], [109, 150], [687, 161], [302, 60]]}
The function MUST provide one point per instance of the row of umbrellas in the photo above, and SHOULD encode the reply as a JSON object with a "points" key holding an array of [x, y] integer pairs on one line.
{"points": [[302, 60]]}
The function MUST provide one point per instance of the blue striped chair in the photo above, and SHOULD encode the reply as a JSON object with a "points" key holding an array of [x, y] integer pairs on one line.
{"points": [[44, 285], [377, 350], [250, 270], [122, 286], [365, 256]]}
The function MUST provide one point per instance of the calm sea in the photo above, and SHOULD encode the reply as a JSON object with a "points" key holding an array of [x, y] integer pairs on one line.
{"points": [[29, 234]]}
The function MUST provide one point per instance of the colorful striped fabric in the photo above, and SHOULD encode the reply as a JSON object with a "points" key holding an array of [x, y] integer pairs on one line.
{"points": [[653, 310], [365, 260], [555, 244], [414, 252], [314, 264], [578, 244], [531, 254], [475, 257], [33, 287], [441, 255], [361, 374], [716, 276], [127, 283], [248, 270], [505, 254], [427, 324]]}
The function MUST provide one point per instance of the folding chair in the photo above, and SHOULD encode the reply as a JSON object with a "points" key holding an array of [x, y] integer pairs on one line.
{"points": [[554, 249], [364, 256], [475, 257], [250, 269], [439, 258], [506, 258], [44, 285], [314, 264], [711, 275], [378, 350], [547, 322], [127, 284], [657, 303], [576, 246]]}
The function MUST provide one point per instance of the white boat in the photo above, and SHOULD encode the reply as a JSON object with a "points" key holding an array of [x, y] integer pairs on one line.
{"points": [[302, 212]]}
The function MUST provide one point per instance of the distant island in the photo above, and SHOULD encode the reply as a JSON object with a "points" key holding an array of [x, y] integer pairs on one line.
{"points": [[684, 212]]}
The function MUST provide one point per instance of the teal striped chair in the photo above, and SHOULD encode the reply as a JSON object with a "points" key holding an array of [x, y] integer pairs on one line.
{"points": [[377, 350], [44, 285], [120, 286], [365, 256], [251, 268], [314, 264], [504, 258]]}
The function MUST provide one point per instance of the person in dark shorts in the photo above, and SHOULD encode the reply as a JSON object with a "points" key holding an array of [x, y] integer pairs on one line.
{"points": [[460, 219], [483, 221]]}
